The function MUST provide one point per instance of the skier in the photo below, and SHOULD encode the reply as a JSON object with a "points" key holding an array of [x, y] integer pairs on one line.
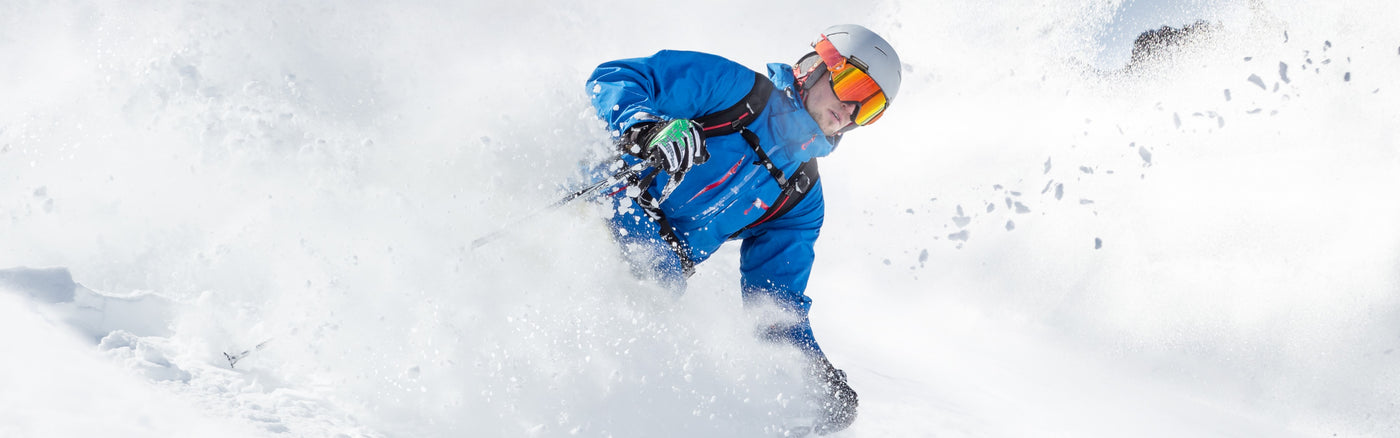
{"points": [[730, 154]]}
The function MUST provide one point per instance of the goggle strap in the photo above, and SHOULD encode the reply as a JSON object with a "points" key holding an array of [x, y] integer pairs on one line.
{"points": [[830, 56]]}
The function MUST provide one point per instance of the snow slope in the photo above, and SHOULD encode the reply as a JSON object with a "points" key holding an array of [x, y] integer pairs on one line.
{"points": [[1022, 247]]}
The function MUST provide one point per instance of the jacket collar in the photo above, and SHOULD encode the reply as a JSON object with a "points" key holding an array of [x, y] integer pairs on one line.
{"points": [[820, 145]]}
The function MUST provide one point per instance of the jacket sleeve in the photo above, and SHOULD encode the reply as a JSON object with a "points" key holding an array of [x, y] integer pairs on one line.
{"points": [[667, 85], [775, 263]]}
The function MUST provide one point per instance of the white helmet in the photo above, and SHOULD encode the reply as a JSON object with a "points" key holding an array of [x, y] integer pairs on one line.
{"points": [[865, 48]]}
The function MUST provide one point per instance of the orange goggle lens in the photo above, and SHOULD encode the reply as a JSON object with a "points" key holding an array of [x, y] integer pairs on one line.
{"points": [[852, 84]]}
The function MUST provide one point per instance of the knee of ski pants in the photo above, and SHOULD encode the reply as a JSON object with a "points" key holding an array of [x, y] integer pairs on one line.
{"points": [[639, 238]]}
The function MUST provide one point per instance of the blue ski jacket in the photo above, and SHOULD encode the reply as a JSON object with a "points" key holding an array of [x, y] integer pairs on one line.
{"points": [[717, 199]]}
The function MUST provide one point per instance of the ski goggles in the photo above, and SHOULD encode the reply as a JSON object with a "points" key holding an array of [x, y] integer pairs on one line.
{"points": [[852, 83]]}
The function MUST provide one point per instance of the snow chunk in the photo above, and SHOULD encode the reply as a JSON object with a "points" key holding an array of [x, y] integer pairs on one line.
{"points": [[50, 285], [960, 236], [1256, 80], [147, 356], [961, 220]]}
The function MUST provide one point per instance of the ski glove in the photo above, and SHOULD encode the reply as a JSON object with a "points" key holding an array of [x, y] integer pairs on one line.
{"points": [[673, 146]]}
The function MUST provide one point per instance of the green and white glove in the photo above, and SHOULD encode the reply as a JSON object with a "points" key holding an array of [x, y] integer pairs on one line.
{"points": [[672, 146]]}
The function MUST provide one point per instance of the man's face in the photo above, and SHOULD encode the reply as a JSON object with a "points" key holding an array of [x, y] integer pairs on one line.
{"points": [[829, 112]]}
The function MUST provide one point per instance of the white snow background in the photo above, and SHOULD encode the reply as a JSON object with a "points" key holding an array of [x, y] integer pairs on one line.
{"points": [[1020, 248]]}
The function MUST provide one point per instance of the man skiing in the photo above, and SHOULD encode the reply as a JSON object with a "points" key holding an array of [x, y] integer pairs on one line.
{"points": [[730, 154]]}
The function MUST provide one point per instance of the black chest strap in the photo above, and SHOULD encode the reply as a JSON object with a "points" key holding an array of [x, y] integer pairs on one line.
{"points": [[795, 189], [735, 118]]}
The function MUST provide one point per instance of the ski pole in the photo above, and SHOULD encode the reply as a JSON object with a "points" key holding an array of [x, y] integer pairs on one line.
{"points": [[234, 358], [595, 186]]}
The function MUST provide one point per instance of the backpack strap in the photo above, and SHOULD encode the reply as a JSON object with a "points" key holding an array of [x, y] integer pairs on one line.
{"points": [[794, 190], [652, 208], [735, 118]]}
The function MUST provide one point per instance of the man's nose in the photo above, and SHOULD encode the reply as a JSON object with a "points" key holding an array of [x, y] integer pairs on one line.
{"points": [[850, 108]]}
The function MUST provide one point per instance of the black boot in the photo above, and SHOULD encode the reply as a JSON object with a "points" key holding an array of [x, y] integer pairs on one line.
{"points": [[835, 398]]}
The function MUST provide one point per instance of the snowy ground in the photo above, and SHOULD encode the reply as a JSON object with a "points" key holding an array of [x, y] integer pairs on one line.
{"points": [[1020, 248]]}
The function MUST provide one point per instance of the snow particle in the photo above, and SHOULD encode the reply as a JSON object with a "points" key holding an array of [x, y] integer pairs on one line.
{"points": [[1346, 77], [1256, 80], [1283, 72], [1010, 225], [960, 236], [1227, 94], [1176, 118], [960, 219], [1047, 165], [1022, 208], [1146, 156], [1098, 243], [1086, 169], [1059, 191]]}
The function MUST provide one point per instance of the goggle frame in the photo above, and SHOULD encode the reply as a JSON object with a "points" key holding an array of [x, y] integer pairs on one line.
{"points": [[851, 81]]}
